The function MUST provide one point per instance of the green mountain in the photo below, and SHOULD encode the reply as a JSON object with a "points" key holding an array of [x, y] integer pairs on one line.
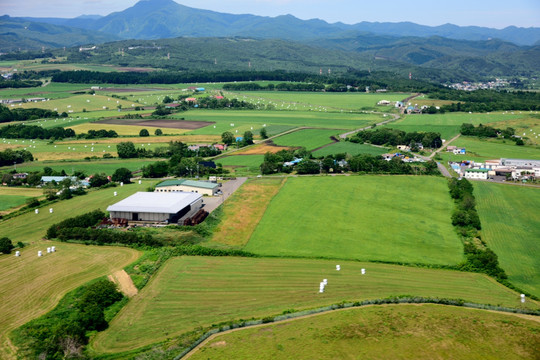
{"points": [[157, 19], [22, 34]]}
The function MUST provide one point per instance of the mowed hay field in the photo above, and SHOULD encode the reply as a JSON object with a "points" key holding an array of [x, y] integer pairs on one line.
{"points": [[31, 227], [390, 218], [384, 332], [308, 138], [31, 286], [244, 209], [511, 227], [193, 292]]}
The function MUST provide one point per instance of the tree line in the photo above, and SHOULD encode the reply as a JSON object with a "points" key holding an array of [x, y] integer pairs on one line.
{"points": [[487, 100], [10, 157], [20, 131], [7, 115], [288, 86], [394, 137]]}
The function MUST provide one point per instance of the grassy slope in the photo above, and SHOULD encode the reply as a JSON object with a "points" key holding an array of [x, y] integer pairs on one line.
{"points": [[390, 332], [395, 218], [32, 286], [511, 227], [190, 292]]}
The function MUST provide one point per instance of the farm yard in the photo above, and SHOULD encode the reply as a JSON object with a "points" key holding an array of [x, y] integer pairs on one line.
{"points": [[343, 217], [235, 288], [512, 230], [383, 332]]}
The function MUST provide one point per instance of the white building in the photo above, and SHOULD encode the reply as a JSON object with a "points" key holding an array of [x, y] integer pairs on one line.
{"points": [[157, 207], [476, 174]]}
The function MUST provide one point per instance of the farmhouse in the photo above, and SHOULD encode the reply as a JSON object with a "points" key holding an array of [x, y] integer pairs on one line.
{"points": [[199, 187], [156, 207]]}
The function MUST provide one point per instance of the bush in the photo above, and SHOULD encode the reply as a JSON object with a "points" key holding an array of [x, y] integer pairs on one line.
{"points": [[144, 132], [6, 245], [158, 132]]}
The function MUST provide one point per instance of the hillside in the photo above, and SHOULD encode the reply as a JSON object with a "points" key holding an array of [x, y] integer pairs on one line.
{"points": [[157, 19], [16, 33]]}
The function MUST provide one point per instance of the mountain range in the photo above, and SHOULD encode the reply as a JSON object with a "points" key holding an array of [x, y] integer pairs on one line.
{"points": [[158, 19], [199, 37]]}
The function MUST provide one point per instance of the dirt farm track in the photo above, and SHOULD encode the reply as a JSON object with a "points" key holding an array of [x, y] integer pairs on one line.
{"points": [[160, 123]]}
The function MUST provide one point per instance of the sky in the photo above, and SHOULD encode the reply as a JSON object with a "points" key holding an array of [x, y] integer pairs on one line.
{"points": [[488, 13]]}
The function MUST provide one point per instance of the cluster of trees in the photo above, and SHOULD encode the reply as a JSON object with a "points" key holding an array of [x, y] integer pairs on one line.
{"points": [[6, 245], [64, 331], [465, 218], [488, 131], [229, 138], [394, 137], [252, 86], [10, 157], [366, 163], [95, 134], [274, 162], [18, 83], [213, 103], [20, 131], [127, 150], [7, 115], [487, 100]]}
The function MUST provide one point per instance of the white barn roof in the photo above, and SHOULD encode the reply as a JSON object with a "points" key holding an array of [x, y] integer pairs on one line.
{"points": [[154, 202]]}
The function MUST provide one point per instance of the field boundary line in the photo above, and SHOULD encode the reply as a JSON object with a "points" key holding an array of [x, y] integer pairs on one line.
{"points": [[212, 334], [283, 181]]}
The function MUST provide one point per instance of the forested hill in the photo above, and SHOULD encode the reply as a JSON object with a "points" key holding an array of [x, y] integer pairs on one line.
{"points": [[158, 19]]}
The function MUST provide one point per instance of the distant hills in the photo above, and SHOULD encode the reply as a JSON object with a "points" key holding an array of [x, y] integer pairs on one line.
{"points": [[158, 19], [199, 38]]}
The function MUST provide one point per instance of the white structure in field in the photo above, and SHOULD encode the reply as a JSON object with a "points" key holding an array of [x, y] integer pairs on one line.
{"points": [[157, 207]]}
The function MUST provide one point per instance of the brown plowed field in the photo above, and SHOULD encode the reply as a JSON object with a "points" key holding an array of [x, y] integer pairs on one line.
{"points": [[159, 123], [262, 149]]}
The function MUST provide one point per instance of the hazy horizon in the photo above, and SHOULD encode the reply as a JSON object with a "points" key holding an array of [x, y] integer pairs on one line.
{"points": [[494, 14]]}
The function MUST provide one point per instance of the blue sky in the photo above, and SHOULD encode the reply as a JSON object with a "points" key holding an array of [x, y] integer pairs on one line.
{"points": [[490, 13]]}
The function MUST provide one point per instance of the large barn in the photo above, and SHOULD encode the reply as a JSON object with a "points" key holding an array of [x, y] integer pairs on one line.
{"points": [[171, 207]]}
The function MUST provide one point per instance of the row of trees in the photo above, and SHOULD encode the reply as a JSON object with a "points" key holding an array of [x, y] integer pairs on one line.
{"points": [[394, 137], [466, 220], [10, 157], [127, 150], [7, 115], [20, 131], [487, 100]]}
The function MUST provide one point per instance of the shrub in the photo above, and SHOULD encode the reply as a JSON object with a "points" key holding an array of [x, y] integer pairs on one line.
{"points": [[6, 245]]}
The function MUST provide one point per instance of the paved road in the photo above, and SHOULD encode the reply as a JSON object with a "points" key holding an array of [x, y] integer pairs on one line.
{"points": [[228, 188]]}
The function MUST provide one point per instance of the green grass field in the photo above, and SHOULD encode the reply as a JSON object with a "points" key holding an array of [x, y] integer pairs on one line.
{"points": [[350, 148], [484, 149], [10, 201], [31, 227], [251, 120], [192, 292], [390, 218], [309, 138], [251, 161], [449, 124], [384, 332], [511, 227], [317, 100], [32, 286], [77, 103]]}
